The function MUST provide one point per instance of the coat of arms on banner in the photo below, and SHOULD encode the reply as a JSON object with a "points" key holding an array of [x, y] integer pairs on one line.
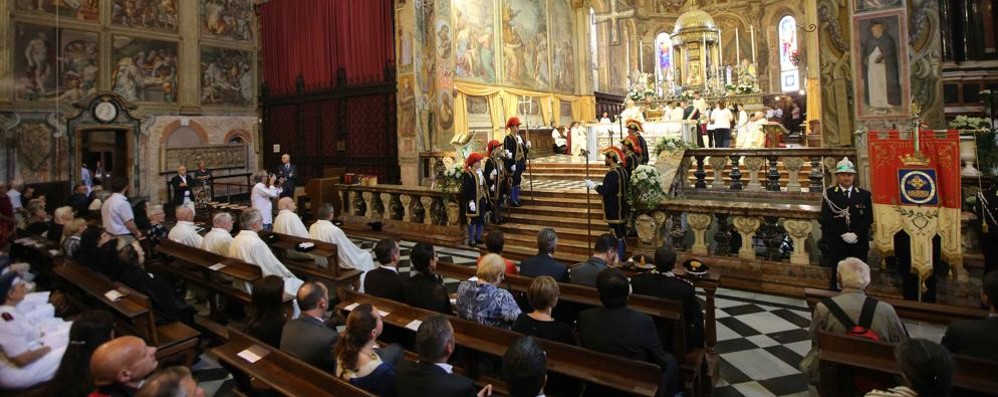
{"points": [[34, 141], [918, 186]]}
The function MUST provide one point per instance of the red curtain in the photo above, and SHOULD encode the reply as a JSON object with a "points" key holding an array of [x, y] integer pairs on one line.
{"points": [[315, 38]]}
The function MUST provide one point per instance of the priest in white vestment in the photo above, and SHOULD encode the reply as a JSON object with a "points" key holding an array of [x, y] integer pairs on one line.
{"points": [[219, 238], [350, 255], [288, 222], [753, 136], [250, 248], [579, 139], [184, 231], [263, 192], [632, 112]]}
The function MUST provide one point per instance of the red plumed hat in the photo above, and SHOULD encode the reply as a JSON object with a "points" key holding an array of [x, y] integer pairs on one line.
{"points": [[632, 141], [636, 125], [493, 144], [472, 158], [614, 152], [513, 122]]}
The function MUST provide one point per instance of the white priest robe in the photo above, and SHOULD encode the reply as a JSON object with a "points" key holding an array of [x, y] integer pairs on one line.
{"points": [[217, 241], [753, 137], [185, 233], [350, 255], [289, 223], [29, 326], [249, 248]]}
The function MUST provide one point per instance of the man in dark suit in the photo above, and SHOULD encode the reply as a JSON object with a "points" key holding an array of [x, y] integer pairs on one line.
{"points": [[663, 284], [846, 218], [543, 264], [431, 375], [385, 281], [977, 338], [181, 188], [618, 330], [309, 337], [605, 254], [288, 175], [425, 289]]}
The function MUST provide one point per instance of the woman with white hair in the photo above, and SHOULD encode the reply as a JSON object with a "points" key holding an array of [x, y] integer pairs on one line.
{"points": [[481, 300]]}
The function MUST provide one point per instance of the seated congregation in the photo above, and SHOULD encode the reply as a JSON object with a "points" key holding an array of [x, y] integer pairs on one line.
{"points": [[387, 326]]}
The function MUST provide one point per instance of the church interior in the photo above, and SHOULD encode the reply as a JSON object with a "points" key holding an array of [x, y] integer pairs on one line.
{"points": [[498, 197]]}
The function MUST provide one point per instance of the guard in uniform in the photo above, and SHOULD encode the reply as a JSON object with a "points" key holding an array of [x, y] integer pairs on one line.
{"points": [[202, 188], [475, 197], [498, 180], [632, 150], [634, 129], [614, 192], [33, 339], [516, 156], [846, 218], [986, 209]]}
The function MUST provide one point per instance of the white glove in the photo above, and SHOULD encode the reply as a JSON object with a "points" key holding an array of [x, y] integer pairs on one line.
{"points": [[528, 144], [514, 168], [509, 154], [519, 139], [493, 188], [590, 184], [493, 174], [850, 238], [471, 206]]}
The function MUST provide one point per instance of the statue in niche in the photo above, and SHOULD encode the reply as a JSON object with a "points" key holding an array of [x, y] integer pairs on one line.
{"points": [[747, 73]]}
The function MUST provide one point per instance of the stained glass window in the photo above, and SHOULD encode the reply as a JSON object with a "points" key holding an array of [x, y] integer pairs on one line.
{"points": [[789, 56]]}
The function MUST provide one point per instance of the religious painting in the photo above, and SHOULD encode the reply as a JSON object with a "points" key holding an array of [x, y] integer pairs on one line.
{"points": [[145, 70], [474, 41], [562, 50], [81, 10], [146, 14], [404, 38], [406, 106], [227, 77], [525, 43], [880, 65], [54, 64], [875, 5], [227, 19]]}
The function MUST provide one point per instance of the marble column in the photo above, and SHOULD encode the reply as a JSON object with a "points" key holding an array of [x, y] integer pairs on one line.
{"points": [[746, 227], [799, 230], [699, 223]]}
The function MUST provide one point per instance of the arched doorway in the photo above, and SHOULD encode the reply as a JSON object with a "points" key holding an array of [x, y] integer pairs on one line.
{"points": [[104, 137]]}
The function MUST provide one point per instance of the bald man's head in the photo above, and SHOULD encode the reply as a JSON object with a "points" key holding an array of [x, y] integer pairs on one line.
{"points": [[185, 214], [286, 203], [125, 360]]}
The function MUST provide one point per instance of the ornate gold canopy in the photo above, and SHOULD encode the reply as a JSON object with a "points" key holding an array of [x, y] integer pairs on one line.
{"points": [[692, 25]]}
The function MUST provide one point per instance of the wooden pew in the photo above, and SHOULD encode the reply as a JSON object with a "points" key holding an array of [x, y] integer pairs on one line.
{"points": [[841, 354], [668, 313], [910, 310], [175, 342], [194, 266], [280, 371], [619, 373], [334, 275]]}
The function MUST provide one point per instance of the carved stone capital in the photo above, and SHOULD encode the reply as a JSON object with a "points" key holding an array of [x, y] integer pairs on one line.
{"points": [[368, 204], [746, 227], [699, 223], [386, 202], [717, 164], [793, 166], [427, 209], [799, 231], [754, 164], [406, 201]]}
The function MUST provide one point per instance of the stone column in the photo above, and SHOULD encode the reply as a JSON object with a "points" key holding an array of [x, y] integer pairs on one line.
{"points": [[368, 204], [799, 230], [754, 164], [699, 223], [793, 166], [427, 209], [746, 227], [386, 201], [406, 201], [717, 164]]}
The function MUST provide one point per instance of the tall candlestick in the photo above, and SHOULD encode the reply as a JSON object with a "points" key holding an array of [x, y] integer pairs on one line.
{"points": [[703, 56], [720, 55], [752, 32], [738, 49], [641, 56]]}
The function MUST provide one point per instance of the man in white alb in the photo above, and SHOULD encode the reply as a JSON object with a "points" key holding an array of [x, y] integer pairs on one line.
{"points": [[184, 231], [250, 248], [288, 222], [219, 238], [261, 198], [350, 255]]}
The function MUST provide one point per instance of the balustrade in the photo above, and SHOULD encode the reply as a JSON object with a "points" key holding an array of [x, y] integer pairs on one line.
{"points": [[400, 204]]}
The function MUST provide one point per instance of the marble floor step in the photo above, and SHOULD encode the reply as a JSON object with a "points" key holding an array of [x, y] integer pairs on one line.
{"points": [[560, 211], [570, 202], [556, 220]]}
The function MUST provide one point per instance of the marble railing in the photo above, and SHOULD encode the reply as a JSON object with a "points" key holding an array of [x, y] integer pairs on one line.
{"points": [[785, 173], [415, 205], [742, 230]]}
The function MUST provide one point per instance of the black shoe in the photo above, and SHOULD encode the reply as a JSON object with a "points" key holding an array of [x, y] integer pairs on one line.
{"points": [[516, 204], [472, 243]]}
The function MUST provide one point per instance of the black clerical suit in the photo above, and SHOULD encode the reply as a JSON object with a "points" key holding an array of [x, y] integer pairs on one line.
{"points": [[859, 204], [181, 188], [289, 174]]}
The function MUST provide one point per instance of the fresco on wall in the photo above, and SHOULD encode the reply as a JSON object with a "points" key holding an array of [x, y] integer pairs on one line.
{"points": [[474, 40], [525, 43], [227, 19], [54, 64], [880, 67], [82, 10], [145, 70], [562, 50], [404, 38], [146, 14], [226, 77], [876, 5], [406, 106]]}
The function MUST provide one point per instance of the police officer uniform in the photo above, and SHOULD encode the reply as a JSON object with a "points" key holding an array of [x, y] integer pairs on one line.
{"points": [[475, 198], [497, 178], [26, 326], [614, 192], [846, 218], [634, 129], [516, 156]]}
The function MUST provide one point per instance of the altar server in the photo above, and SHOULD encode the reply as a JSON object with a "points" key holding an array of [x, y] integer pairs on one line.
{"points": [[474, 197], [184, 232], [614, 192], [34, 340], [349, 255]]}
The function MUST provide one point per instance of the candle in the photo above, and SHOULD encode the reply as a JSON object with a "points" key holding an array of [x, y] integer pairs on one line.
{"points": [[738, 49], [752, 32], [641, 56], [703, 58]]}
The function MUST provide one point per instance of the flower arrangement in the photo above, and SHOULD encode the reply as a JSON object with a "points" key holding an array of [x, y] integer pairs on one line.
{"points": [[741, 89], [976, 124], [645, 192], [638, 95], [672, 145], [449, 178], [987, 147]]}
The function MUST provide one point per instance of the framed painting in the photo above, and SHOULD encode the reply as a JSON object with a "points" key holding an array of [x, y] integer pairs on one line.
{"points": [[525, 43], [227, 77], [54, 64], [880, 65], [145, 70], [474, 41]]}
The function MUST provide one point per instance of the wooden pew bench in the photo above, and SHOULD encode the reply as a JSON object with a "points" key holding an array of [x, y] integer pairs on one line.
{"points": [[667, 313], [619, 373], [910, 310], [175, 342], [333, 274], [841, 355], [279, 371]]}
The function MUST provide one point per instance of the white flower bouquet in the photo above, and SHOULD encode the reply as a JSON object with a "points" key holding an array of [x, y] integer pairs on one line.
{"points": [[645, 192], [449, 178]]}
